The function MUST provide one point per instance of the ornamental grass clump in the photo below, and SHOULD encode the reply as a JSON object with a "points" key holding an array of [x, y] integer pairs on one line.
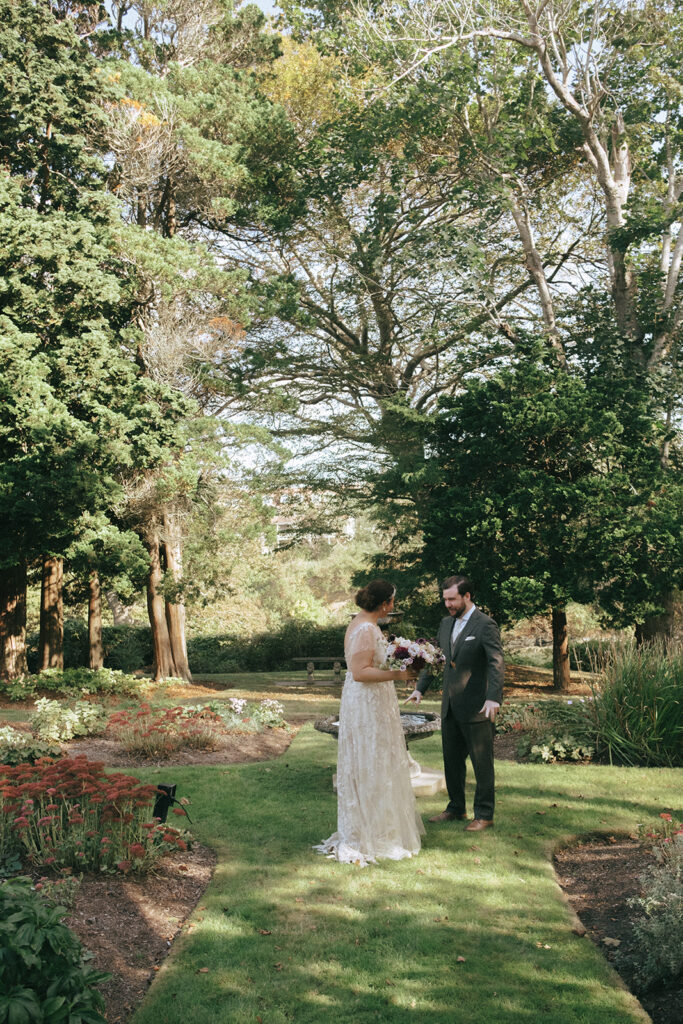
{"points": [[68, 814], [638, 706], [154, 732]]}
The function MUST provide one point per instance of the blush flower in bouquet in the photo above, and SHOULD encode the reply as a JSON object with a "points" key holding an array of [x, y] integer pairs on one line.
{"points": [[416, 654]]}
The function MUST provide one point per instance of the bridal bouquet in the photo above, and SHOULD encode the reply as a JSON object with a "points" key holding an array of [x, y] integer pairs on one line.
{"points": [[417, 654]]}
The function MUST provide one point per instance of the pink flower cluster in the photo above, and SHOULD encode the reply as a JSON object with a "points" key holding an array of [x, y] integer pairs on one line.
{"points": [[69, 813], [159, 732], [417, 654]]}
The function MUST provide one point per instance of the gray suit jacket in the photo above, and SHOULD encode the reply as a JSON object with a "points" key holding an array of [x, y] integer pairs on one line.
{"points": [[474, 668]]}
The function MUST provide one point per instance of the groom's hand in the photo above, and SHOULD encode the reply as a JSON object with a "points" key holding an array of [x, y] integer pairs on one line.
{"points": [[415, 696], [490, 707]]}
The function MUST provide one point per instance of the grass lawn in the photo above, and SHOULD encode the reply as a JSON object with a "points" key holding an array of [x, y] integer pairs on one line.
{"points": [[283, 934]]}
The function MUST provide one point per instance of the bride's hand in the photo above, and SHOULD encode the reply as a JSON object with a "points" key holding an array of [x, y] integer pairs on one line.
{"points": [[406, 675]]}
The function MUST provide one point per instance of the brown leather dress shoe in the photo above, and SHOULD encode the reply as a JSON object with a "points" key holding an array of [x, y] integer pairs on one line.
{"points": [[448, 816], [478, 825]]}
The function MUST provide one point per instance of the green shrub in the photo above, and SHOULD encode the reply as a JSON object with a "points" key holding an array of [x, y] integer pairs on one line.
{"points": [[127, 647], [19, 747], [638, 706], [239, 715], [70, 681], [658, 928], [549, 749], [267, 651], [59, 723], [42, 974]]}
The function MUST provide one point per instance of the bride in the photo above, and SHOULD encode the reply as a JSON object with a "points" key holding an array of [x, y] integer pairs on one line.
{"points": [[376, 813]]}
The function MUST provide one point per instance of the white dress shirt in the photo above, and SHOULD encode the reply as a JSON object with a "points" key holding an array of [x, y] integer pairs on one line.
{"points": [[460, 624]]}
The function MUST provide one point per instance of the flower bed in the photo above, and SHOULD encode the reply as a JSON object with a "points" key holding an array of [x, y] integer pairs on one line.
{"points": [[68, 814], [159, 732]]}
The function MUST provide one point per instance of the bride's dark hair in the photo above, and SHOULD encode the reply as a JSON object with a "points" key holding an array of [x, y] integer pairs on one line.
{"points": [[375, 594]]}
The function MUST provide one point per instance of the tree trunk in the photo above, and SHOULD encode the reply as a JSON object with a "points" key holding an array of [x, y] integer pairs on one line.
{"points": [[120, 614], [561, 677], [164, 666], [95, 649], [175, 610], [13, 622], [51, 637], [658, 627]]}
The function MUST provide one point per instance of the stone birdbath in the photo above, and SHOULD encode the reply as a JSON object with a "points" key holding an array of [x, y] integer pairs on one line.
{"points": [[416, 725]]}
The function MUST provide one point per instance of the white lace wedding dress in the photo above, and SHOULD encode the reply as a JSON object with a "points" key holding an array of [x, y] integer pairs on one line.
{"points": [[376, 813]]}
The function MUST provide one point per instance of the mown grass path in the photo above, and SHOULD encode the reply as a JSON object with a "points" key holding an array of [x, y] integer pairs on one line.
{"points": [[284, 934]]}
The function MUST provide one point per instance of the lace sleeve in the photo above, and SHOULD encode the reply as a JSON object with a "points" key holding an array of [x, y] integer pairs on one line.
{"points": [[363, 638]]}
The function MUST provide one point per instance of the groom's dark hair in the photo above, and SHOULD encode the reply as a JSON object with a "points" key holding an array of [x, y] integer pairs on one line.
{"points": [[463, 583]]}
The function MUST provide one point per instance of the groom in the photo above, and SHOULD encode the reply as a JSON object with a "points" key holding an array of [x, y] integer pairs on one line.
{"points": [[472, 693]]}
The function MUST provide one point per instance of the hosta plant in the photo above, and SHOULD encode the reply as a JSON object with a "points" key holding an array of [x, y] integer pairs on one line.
{"points": [[239, 715], [42, 974], [59, 723], [17, 747]]}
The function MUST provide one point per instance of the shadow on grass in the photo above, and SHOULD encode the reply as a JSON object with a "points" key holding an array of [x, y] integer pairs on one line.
{"points": [[288, 935]]}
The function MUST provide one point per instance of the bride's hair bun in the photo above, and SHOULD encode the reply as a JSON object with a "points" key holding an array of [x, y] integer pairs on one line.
{"points": [[369, 598]]}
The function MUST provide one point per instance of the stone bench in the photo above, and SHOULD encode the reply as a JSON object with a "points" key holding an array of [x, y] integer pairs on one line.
{"points": [[311, 663]]}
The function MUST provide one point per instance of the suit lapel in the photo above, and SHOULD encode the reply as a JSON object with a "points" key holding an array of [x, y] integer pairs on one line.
{"points": [[467, 631]]}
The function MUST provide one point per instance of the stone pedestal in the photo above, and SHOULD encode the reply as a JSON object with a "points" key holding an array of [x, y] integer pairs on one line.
{"points": [[425, 781]]}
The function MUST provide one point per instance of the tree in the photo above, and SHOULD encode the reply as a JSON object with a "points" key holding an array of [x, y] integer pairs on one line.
{"points": [[613, 72], [533, 486], [78, 410], [178, 132]]}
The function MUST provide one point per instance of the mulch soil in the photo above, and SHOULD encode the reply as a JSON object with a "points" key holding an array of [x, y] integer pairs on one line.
{"points": [[599, 877], [128, 924]]}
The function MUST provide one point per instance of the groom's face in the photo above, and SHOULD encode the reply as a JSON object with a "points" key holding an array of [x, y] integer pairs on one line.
{"points": [[455, 602]]}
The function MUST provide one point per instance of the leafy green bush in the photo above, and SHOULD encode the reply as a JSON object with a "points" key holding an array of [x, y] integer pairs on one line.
{"points": [[127, 647], [638, 706], [42, 974], [19, 747], [70, 681], [265, 652], [538, 718], [658, 928], [239, 715], [58, 722], [550, 749], [551, 730]]}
